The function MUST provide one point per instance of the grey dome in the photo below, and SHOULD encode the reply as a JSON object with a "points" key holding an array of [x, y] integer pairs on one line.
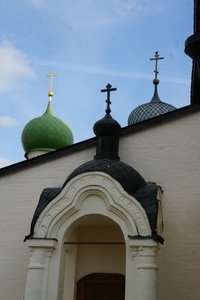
{"points": [[149, 110]]}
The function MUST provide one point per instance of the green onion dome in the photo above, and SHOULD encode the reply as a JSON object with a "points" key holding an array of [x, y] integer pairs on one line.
{"points": [[46, 133]]}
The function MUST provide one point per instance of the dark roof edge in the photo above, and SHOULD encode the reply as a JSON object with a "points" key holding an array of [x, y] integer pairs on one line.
{"points": [[48, 156], [172, 115]]}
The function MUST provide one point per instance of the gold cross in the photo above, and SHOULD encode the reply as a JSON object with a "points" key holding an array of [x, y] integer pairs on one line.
{"points": [[51, 75]]}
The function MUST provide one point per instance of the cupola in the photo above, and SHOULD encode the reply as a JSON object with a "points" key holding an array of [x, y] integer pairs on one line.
{"points": [[47, 132], [153, 108], [107, 131]]}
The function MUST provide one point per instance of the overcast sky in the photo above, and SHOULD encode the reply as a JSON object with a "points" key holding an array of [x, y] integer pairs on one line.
{"points": [[88, 43]]}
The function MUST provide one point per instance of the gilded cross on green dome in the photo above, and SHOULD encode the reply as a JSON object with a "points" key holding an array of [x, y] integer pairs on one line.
{"points": [[51, 75], [108, 90]]}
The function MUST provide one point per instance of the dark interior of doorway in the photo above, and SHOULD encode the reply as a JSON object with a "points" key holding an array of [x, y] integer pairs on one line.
{"points": [[101, 286]]}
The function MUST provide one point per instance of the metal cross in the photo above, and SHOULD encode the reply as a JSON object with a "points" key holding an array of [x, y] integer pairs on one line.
{"points": [[156, 58], [108, 90], [51, 75]]}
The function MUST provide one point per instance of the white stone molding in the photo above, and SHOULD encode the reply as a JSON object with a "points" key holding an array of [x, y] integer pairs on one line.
{"points": [[38, 268], [35, 153], [142, 269], [111, 200]]}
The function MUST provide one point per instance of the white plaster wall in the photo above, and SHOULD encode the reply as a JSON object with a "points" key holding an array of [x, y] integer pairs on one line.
{"points": [[100, 258], [169, 155], [19, 195]]}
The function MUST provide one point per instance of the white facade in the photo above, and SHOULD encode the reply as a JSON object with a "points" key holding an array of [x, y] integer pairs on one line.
{"points": [[166, 153]]}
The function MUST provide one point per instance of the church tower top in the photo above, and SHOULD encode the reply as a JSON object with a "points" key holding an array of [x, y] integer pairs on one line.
{"points": [[155, 107]]}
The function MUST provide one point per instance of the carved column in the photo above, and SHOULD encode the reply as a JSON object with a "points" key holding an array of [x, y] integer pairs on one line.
{"points": [[37, 275], [142, 270]]}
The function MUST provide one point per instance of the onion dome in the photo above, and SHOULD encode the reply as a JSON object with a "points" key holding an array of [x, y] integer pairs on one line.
{"points": [[45, 133], [107, 126], [153, 108], [107, 131]]}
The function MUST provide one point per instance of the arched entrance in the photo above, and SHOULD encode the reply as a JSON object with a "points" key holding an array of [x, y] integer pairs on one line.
{"points": [[101, 286], [96, 253], [60, 257]]}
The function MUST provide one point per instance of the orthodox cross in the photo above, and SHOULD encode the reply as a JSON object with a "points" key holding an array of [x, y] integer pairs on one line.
{"points": [[156, 57], [108, 90], [51, 75]]}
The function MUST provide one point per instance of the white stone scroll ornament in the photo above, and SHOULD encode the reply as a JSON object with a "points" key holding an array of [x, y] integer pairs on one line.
{"points": [[118, 204]]}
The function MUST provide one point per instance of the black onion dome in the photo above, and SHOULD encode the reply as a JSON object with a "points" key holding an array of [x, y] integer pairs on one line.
{"points": [[107, 126], [129, 178]]}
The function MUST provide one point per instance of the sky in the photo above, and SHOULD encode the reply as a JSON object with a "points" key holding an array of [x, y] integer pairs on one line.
{"points": [[88, 43]]}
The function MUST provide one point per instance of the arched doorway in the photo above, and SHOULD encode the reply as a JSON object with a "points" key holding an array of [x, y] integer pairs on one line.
{"points": [[101, 286], [86, 229], [94, 245]]}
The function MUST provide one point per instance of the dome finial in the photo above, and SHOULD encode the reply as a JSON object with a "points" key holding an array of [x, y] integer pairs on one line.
{"points": [[108, 90], [156, 57], [51, 75]]}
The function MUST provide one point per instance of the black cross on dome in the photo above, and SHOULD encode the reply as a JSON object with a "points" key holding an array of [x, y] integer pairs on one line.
{"points": [[108, 89], [156, 58]]}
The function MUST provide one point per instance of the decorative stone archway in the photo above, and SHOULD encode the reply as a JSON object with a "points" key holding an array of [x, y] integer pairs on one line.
{"points": [[91, 193]]}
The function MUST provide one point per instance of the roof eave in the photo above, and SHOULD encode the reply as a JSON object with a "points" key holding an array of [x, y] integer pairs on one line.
{"points": [[147, 124]]}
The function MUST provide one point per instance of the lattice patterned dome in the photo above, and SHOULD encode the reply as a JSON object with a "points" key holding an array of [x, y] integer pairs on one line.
{"points": [[155, 107], [149, 110]]}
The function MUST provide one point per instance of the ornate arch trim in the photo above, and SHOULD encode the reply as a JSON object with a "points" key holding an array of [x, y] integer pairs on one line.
{"points": [[77, 199]]}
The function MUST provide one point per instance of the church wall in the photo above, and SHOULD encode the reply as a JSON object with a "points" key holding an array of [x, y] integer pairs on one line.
{"points": [[19, 195], [167, 154]]}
